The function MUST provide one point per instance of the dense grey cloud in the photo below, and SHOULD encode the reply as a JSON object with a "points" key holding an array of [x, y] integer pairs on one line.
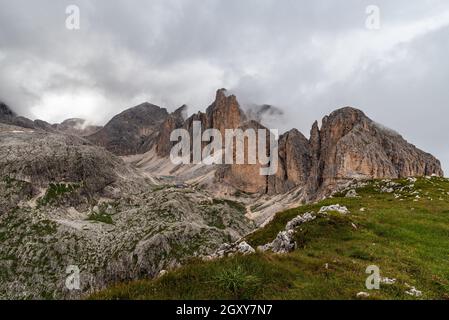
{"points": [[305, 57]]}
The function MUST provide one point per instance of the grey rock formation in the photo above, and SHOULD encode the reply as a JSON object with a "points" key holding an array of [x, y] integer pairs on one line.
{"points": [[40, 158], [334, 208], [127, 132], [285, 239]]}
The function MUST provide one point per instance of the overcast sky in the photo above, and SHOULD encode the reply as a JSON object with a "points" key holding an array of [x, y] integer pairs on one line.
{"points": [[305, 57]]}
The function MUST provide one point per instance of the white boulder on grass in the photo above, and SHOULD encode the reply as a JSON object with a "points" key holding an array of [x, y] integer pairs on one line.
{"points": [[244, 248], [414, 292], [412, 180], [386, 190], [334, 207], [351, 194], [162, 273], [306, 217], [284, 241], [363, 295], [388, 281]]}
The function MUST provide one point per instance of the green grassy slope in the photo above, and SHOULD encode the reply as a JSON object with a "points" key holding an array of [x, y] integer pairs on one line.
{"points": [[405, 233]]}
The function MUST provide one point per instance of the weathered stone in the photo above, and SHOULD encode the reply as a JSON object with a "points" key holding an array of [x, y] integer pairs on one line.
{"points": [[352, 194], [306, 217], [363, 295], [245, 248], [336, 208]]}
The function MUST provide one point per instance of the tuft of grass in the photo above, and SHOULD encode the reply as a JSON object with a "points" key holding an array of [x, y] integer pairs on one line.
{"points": [[232, 204], [55, 192], [235, 280], [101, 217]]}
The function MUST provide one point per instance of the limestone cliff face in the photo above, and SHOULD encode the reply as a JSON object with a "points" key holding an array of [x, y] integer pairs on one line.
{"points": [[294, 162], [246, 177], [127, 132], [352, 146]]}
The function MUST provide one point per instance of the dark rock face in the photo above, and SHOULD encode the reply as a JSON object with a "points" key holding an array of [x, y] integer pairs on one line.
{"points": [[127, 132], [5, 112]]}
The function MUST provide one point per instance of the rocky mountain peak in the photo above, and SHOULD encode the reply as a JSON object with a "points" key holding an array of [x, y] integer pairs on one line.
{"points": [[342, 121], [126, 133], [350, 145], [225, 112]]}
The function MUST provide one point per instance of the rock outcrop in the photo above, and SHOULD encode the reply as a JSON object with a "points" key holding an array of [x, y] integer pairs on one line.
{"points": [[127, 133], [285, 239]]}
